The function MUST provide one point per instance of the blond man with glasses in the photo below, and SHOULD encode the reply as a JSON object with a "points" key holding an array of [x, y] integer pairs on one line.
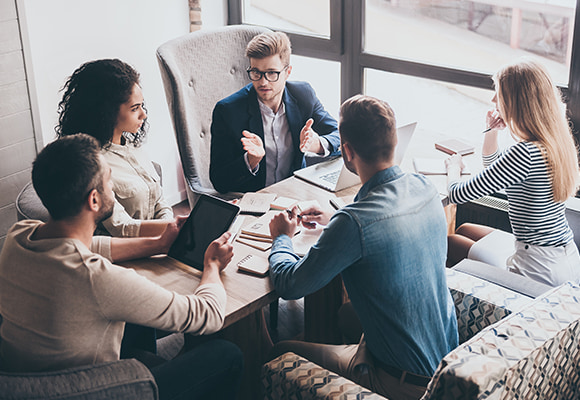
{"points": [[262, 133]]}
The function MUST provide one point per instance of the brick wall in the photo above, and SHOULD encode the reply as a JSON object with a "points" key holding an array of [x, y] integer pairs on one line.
{"points": [[17, 140]]}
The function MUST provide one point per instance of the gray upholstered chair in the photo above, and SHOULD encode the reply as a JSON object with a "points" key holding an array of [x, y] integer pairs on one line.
{"points": [[29, 205], [124, 379], [198, 70]]}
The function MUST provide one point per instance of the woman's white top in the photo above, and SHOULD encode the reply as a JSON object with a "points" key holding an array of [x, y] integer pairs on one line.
{"points": [[137, 190]]}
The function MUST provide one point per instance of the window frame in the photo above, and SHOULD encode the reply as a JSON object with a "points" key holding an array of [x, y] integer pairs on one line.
{"points": [[346, 45]]}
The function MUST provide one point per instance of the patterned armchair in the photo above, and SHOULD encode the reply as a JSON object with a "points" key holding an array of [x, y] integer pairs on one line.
{"points": [[512, 347]]}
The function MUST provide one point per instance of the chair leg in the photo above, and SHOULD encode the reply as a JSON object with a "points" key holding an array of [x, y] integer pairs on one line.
{"points": [[274, 315]]}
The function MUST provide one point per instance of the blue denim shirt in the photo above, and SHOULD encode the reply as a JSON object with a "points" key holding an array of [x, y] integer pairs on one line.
{"points": [[390, 247]]}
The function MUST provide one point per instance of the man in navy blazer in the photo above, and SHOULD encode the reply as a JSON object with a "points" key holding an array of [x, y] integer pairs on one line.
{"points": [[261, 133]]}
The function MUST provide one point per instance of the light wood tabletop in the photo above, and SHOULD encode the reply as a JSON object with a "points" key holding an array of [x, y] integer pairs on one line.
{"points": [[246, 293]]}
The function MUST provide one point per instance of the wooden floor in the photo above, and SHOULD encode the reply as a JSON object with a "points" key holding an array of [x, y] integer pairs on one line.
{"points": [[290, 312]]}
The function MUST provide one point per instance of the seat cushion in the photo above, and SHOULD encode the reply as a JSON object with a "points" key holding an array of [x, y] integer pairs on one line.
{"points": [[510, 280]]}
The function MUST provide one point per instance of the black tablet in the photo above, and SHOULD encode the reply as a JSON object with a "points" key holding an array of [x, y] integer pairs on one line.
{"points": [[208, 220]]}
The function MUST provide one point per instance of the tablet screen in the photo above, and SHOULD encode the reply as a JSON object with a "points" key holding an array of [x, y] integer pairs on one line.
{"points": [[208, 220]]}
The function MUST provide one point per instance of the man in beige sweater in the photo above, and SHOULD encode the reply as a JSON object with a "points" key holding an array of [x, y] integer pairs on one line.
{"points": [[64, 303]]}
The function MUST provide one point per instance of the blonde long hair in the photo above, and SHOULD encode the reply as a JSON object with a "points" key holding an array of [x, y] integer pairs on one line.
{"points": [[533, 110]]}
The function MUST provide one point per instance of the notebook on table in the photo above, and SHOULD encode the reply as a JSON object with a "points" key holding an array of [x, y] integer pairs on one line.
{"points": [[208, 220], [332, 175], [455, 146], [256, 203]]}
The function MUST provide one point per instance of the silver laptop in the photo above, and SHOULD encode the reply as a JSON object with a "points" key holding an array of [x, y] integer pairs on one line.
{"points": [[334, 176]]}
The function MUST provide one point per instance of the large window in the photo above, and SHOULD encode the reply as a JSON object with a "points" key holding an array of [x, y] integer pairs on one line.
{"points": [[285, 15], [431, 59], [472, 35]]}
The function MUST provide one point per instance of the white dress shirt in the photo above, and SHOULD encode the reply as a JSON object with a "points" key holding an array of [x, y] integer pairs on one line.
{"points": [[278, 145]]}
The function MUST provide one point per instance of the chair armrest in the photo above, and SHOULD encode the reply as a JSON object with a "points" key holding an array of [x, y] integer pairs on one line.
{"points": [[124, 379], [509, 280], [159, 171], [293, 377]]}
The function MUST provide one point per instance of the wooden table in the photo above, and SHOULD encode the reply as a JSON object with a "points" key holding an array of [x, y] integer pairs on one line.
{"points": [[247, 295]]}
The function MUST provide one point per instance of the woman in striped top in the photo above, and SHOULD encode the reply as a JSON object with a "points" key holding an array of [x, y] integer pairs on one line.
{"points": [[539, 173]]}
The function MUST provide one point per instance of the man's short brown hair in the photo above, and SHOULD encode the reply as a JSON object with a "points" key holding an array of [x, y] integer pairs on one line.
{"points": [[369, 126], [269, 44]]}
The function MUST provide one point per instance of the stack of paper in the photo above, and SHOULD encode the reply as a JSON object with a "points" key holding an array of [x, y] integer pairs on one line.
{"points": [[257, 233], [256, 203], [283, 203]]}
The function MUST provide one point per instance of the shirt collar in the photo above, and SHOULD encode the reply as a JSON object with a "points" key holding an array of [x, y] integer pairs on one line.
{"points": [[381, 177], [116, 148], [264, 109]]}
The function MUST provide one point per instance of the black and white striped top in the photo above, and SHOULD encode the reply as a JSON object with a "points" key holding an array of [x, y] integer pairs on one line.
{"points": [[522, 171]]}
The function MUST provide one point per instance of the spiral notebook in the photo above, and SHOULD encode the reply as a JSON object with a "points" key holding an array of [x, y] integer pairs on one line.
{"points": [[254, 264]]}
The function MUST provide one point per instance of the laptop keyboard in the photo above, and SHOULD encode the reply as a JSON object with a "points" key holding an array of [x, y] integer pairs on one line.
{"points": [[331, 177]]}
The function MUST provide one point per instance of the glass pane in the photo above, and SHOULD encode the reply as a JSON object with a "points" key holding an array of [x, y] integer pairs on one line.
{"points": [[301, 16], [443, 109], [474, 35], [323, 76]]}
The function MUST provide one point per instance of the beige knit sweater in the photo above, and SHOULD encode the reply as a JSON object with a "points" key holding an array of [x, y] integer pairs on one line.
{"points": [[63, 305]]}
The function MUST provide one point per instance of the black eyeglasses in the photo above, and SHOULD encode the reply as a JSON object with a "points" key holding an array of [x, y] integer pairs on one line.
{"points": [[271, 76]]}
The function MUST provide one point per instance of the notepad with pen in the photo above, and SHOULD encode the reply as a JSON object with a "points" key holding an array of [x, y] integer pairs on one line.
{"points": [[254, 264]]}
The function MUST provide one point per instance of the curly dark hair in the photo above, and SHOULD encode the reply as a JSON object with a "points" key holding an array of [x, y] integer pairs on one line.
{"points": [[93, 95]]}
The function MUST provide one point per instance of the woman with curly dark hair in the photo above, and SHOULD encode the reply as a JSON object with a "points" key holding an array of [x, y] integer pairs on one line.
{"points": [[103, 98]]}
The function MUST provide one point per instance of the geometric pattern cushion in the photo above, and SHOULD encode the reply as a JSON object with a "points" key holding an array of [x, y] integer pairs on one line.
{"points": [[291, 377], [531, 354], [479, 303]]}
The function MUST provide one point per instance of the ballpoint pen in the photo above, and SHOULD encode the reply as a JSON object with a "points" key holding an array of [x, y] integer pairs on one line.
{"points": [[290, 214], [487, 130]]}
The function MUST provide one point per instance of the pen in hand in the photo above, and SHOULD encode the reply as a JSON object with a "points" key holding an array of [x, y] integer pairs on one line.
{"points": [[290, 214]]}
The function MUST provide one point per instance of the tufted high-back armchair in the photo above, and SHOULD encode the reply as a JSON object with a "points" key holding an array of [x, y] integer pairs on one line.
{"points": [[198, 70]]}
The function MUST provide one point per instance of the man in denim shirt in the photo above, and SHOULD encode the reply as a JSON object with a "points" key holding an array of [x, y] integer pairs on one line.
{"points": [[389, 246]]}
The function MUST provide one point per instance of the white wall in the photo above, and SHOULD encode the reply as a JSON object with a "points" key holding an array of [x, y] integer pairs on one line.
{"points": [[60, 35]]}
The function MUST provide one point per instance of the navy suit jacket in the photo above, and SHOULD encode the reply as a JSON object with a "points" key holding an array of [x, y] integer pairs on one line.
{"points": [[240, 111]]}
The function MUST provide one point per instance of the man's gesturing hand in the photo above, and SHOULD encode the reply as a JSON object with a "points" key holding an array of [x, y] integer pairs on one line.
{"points": [[309, 139], [254, 147]]}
